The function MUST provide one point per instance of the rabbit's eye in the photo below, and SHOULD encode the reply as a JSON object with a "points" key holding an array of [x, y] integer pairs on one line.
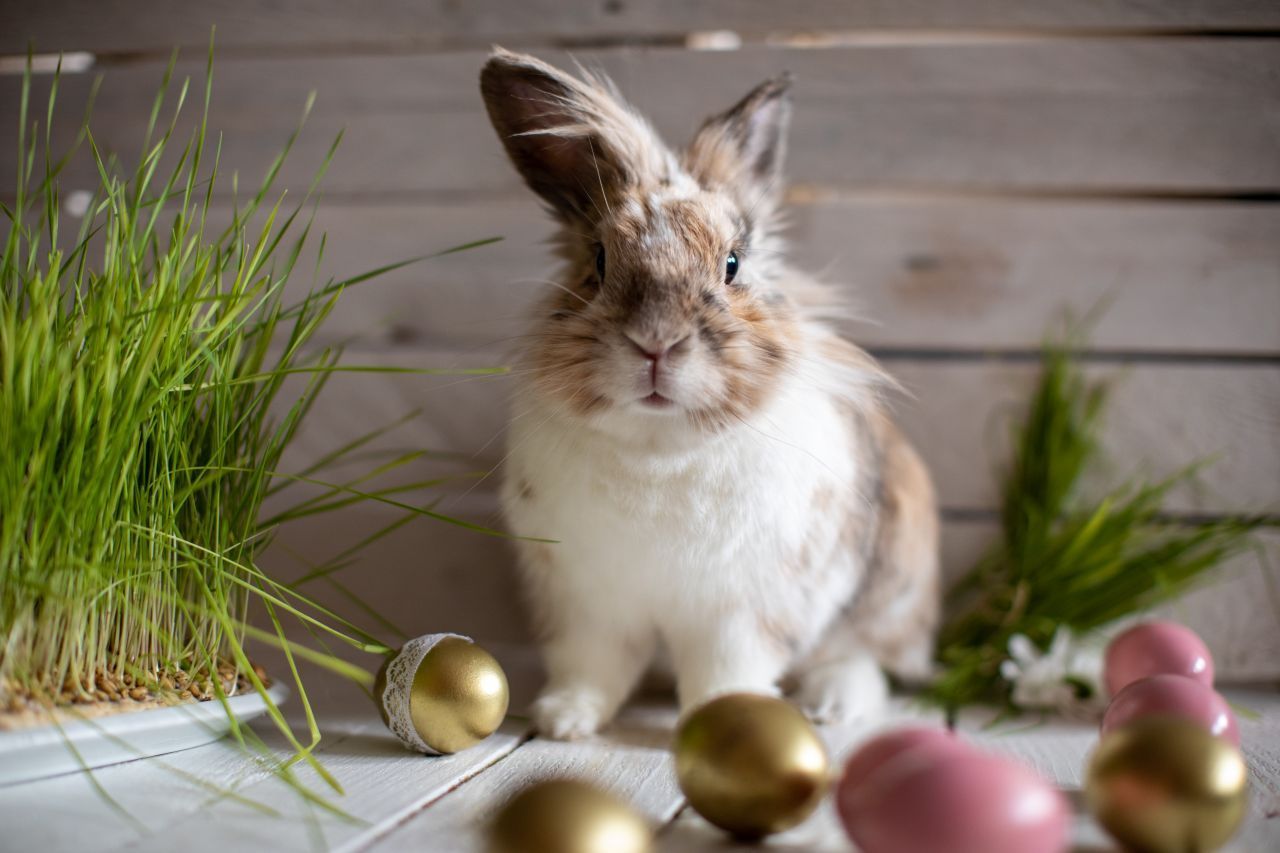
{"points": [[730, 267], [600, 262]]}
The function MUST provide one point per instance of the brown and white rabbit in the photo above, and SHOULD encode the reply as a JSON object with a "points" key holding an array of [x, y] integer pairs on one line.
{"points": [[714, 462]]}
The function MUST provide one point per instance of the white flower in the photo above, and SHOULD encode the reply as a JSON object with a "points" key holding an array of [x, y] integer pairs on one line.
{"points": [[1052, 680]]}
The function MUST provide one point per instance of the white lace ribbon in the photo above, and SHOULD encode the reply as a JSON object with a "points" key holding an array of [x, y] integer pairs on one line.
{"points": [[399, 689]]}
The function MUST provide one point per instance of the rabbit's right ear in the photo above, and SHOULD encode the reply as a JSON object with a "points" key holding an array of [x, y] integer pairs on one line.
{"points": [[556, 130], [741, 150]]}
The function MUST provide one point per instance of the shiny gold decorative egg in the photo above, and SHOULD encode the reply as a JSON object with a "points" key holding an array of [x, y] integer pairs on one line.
{"points": [[750, 764], [1165, 785], [441, 693], [565, 816]]}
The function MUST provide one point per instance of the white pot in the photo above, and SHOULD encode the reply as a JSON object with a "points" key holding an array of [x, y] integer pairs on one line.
{"points": [[50, 750]]}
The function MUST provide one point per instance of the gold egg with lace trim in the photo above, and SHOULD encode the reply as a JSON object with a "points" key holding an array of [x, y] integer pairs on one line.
{"points": [[441, 694]]}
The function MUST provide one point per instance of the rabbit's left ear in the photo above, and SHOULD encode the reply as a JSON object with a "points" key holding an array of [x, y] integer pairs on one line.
{"points": [[561, 134], [744, 146]]}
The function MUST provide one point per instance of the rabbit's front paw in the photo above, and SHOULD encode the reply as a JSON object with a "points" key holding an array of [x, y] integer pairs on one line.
{"points": [[570, 713], [845, 691]]}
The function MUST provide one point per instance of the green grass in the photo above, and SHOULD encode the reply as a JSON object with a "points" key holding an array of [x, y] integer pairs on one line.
{"points": [[1062, 559], [149, 373]]}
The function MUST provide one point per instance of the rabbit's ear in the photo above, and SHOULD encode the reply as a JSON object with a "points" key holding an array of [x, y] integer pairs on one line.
{"points": [[743, 147], [558, 131]]}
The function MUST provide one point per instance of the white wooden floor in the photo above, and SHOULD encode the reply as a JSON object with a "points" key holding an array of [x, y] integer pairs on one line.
{"points": [[197, 800]]}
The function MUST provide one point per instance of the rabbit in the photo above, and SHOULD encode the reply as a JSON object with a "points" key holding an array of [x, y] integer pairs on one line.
{"points": [[714, 464]]}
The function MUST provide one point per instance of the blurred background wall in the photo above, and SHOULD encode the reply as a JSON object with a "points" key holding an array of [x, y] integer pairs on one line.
{"points": [[968, 171]]}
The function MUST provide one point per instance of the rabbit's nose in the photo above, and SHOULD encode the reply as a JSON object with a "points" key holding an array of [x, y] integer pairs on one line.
{"points": [[655, 351]]}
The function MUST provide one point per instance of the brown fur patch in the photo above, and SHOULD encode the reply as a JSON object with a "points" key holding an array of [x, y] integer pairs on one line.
{"points": [[755, 341], [688, 220], [898, 608], [778, 635], [822, 501], [894, 613]]}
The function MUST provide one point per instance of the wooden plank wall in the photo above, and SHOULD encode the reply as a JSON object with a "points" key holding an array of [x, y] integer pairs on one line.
{"points": [[968, 171]]}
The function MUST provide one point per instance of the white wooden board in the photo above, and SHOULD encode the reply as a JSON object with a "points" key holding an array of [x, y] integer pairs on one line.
{"points": [[183, 799], [151, 795], [923, 272], [127, 803], [384, 783], [428, 576], [401, 801], [156, 26], [1161, 417], [1169, 116], [630, 761]]}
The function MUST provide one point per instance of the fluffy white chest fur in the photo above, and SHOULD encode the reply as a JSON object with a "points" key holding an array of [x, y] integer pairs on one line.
{"points": [[669, 533], [709, 550]]}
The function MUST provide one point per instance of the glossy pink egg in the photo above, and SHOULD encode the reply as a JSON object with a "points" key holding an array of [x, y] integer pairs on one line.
{"points": [[901, 747], [1156, 648], [1173, 695], [953, 800]]}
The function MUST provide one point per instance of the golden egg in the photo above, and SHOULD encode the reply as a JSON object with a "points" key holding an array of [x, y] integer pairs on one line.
{"points": [[1165, 785], [750, 764], [456, 698], [566, 816]]}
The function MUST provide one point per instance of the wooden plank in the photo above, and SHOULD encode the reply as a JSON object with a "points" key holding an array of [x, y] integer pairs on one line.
{"points": [[148, 797], [406, 575], [1160, 418], [1260, 738], [61, 812], [1098, 115], [251, 24], [988, 275], [1237, 615], [382, 783], [629, 760], [1165, 415], [926, 273], [402, 576]]}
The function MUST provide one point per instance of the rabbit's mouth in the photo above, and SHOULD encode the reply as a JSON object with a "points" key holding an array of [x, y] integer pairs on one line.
{"points": [[657, 401]]}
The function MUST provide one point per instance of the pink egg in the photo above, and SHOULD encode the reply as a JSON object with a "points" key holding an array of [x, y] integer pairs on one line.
{"points": [[1156, 648], [900, 746], [953, 800], [1175, 696]]}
